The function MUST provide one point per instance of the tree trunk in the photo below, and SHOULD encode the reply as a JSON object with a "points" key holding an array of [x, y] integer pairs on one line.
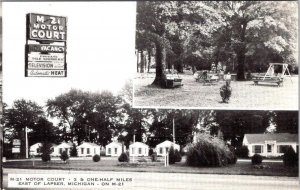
{"points": [[137, 61], [241, 66], [160, 57], [180, 66], [149, 60], [241, 53], [142, 62]]}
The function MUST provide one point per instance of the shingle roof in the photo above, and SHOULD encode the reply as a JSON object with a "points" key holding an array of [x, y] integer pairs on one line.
{"points": [[278, 137], [88, 143], [138, 144], [114, 143], [167, 143]]}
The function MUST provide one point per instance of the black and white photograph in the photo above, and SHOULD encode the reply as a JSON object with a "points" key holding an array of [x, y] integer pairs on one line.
{"points": [[149, 95], [222, 55]]}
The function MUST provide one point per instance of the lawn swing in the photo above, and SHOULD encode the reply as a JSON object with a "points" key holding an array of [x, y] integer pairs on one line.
{"points": [[271, 76]]}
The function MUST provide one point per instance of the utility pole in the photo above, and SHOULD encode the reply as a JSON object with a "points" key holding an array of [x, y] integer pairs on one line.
{"points": [[26, 142], [133, 147], [173, 130]]}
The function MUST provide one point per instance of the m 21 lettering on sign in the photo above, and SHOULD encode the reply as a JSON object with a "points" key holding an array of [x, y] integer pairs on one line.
{"points": [[47, 27]]}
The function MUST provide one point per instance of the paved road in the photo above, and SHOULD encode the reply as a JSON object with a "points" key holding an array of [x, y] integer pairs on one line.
{"points": [[176, 181]]}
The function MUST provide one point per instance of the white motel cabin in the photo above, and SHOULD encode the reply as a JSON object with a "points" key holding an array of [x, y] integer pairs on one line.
{"points": [[163, 148], [88, 149], [270, 145], [57, 150], [35, 149], [138, 149], [114, 149]]}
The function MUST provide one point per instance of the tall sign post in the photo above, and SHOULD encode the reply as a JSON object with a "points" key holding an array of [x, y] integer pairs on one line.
{"points": [[26, 142], [46, 46]]}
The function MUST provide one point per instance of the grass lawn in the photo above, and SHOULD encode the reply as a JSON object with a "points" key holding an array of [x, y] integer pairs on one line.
{"points": [[111, 164], [245, 95]]}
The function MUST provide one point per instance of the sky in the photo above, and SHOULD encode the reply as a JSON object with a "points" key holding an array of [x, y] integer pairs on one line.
{"points": [[100, 48]]}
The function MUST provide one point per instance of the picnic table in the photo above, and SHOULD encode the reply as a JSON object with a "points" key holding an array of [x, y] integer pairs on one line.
{"points": [[173, 81]]}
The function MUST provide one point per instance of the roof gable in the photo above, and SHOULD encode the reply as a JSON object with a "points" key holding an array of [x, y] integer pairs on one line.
{"points": [[138, 144], [278, 137], [167, 144], [88, 144], [114, 144]]}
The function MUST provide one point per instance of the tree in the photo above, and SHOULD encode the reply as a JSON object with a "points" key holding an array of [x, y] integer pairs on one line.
{"points": [[152, 18], [22, 114], [43, 131], [46, 151], [258, 32], [286, 121], [71, 109], [73, 151], [234, 124], [161, 129], [105, 117], [135, 124]]}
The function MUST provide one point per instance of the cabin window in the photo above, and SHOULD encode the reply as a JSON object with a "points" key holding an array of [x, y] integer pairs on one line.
{"points": [[160, 150], [257, 149], [38, 150], [66, 150], [282, 148], [140, 150], [109, 150], [116, 150], [60, 150], [88, 151], [167, 150], [82, 150], [132, 150]]}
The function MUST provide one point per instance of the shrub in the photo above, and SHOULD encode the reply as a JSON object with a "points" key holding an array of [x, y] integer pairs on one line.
{"points": [[150, 151], [231, 157], [172, 157], [290, 158], [64, 156], [177, 156], [209, 151], [154, 157], [46, 151], [242, 152], [73, 151], [102, 153], [225, 92], [123, 157], [256, 159], [46, 157], [96, 158]]}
